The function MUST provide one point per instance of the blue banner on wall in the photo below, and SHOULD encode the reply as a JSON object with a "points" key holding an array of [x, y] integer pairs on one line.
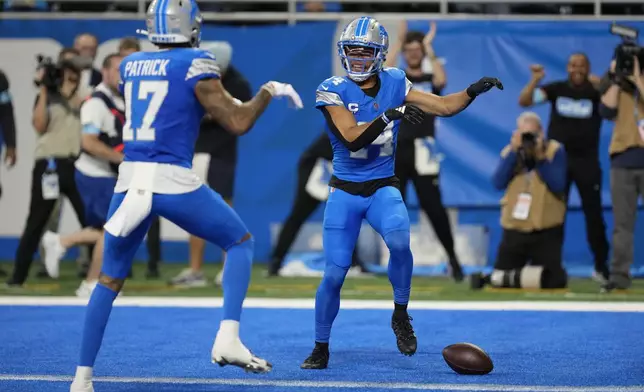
{"points": [[303, 56]]}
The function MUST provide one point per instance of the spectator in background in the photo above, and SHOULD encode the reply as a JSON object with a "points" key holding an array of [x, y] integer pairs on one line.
{"points": [[575, 122], [319, 6], [56, 120], [87, 44], [102, 119], [129, 45], [414, 160], [532, 171], [215, 161], [53, 223], [623, 103], [7, 129], [26, 5]]}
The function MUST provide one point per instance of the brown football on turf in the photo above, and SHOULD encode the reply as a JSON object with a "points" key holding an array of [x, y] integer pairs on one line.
{"points": [[467, 358]]}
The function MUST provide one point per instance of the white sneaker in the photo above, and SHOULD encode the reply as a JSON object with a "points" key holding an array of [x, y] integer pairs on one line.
{"points": [[598, 277], [219, 279], [86, 288], [229, 350], [54, 251], [82, 386], [189, 278]]}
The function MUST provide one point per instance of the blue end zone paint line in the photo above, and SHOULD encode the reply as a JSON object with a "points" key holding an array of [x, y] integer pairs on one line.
{"points": [[168, 349]]}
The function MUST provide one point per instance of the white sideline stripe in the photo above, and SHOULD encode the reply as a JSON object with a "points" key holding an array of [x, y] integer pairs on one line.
{"points": [[207, 302], [332, 384]]}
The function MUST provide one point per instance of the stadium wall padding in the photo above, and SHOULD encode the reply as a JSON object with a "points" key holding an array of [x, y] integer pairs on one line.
{"points": [[304, 55]]}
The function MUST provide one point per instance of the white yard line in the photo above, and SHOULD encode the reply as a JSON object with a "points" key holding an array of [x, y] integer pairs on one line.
{"points": [[330, 384], [206, 302]]}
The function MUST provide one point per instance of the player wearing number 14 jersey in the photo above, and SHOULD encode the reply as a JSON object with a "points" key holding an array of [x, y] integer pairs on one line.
{"points": [[363, 112], [166, 95]]}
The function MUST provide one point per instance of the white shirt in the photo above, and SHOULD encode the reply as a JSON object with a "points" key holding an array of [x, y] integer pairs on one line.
{"points": [[97, 118]]}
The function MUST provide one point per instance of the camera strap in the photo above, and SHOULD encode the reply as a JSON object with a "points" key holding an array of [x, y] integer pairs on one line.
{"points": [[528, 176]]}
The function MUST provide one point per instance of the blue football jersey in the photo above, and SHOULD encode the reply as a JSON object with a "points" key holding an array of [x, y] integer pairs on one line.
{"points": [[162, 111], [376, 160]]}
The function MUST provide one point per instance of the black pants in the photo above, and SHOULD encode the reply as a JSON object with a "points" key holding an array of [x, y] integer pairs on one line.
{"points": [[586, 173], [40, 210], [154, 244], [428, 193], [304, 204], [540, 248]]}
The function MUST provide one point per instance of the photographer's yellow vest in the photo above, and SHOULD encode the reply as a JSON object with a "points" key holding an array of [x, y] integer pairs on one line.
{"points": [[547, 210], [625, 133]]}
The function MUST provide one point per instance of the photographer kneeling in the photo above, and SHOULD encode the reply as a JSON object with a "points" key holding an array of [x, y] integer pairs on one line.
{"points": [[56, 118], [532, 171]]}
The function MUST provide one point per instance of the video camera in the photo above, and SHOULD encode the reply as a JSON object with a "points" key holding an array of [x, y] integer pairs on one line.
{"points": [[626, 50], [53, 72]]}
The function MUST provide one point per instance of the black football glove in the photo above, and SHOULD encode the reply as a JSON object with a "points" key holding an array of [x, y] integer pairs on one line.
{"points": [[482, 86], [408, 113]]}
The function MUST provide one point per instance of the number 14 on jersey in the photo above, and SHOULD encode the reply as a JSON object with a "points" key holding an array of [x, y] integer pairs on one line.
{"points": [[142, 110]]}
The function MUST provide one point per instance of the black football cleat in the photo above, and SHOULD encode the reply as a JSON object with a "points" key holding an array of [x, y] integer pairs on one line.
{"points": [[405, 337], [456, 271], [319, 358]]}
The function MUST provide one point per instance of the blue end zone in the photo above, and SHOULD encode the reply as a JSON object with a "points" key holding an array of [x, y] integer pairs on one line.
{"points": [[163, 349]]}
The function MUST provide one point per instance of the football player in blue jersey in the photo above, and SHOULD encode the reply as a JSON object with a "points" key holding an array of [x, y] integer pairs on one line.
{"points": [[166, 93], [363, 111]]}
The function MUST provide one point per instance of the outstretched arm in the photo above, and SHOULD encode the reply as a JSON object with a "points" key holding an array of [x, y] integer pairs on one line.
{"points": [[451, 104], [236, 117], [446, 106]]}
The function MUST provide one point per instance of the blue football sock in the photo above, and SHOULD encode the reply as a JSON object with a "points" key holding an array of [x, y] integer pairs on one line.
{"points": [[327, 301], [401, 264], [96, 316], [239, 259]]}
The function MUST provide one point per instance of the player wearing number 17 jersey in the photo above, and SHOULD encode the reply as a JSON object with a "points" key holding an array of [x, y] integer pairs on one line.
{"points": [[166, 93], [363, 112]]}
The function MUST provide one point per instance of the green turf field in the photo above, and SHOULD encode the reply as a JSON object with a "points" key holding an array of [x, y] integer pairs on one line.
{"points": [[371, 287]]}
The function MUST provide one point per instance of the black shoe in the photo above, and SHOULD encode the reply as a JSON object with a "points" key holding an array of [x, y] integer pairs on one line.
{"points": [[405, 337], [152, 273], [608, 287], [273, 269], [42, 273], [12, 284], [319, 358], [3, 273], [478, 281], [456, 270]]}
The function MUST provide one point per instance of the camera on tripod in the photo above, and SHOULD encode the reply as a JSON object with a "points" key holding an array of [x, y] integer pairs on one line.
{"points": [[627, 49], [53, 72]]}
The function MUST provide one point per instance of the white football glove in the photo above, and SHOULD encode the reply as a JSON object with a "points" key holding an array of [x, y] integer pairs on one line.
{"points": [[277, 89]]}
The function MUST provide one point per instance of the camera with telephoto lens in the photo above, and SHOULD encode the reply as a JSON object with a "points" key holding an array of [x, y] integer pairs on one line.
{"points": [[53, 72], [529, 141], [627, 49], [528, 148]]}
